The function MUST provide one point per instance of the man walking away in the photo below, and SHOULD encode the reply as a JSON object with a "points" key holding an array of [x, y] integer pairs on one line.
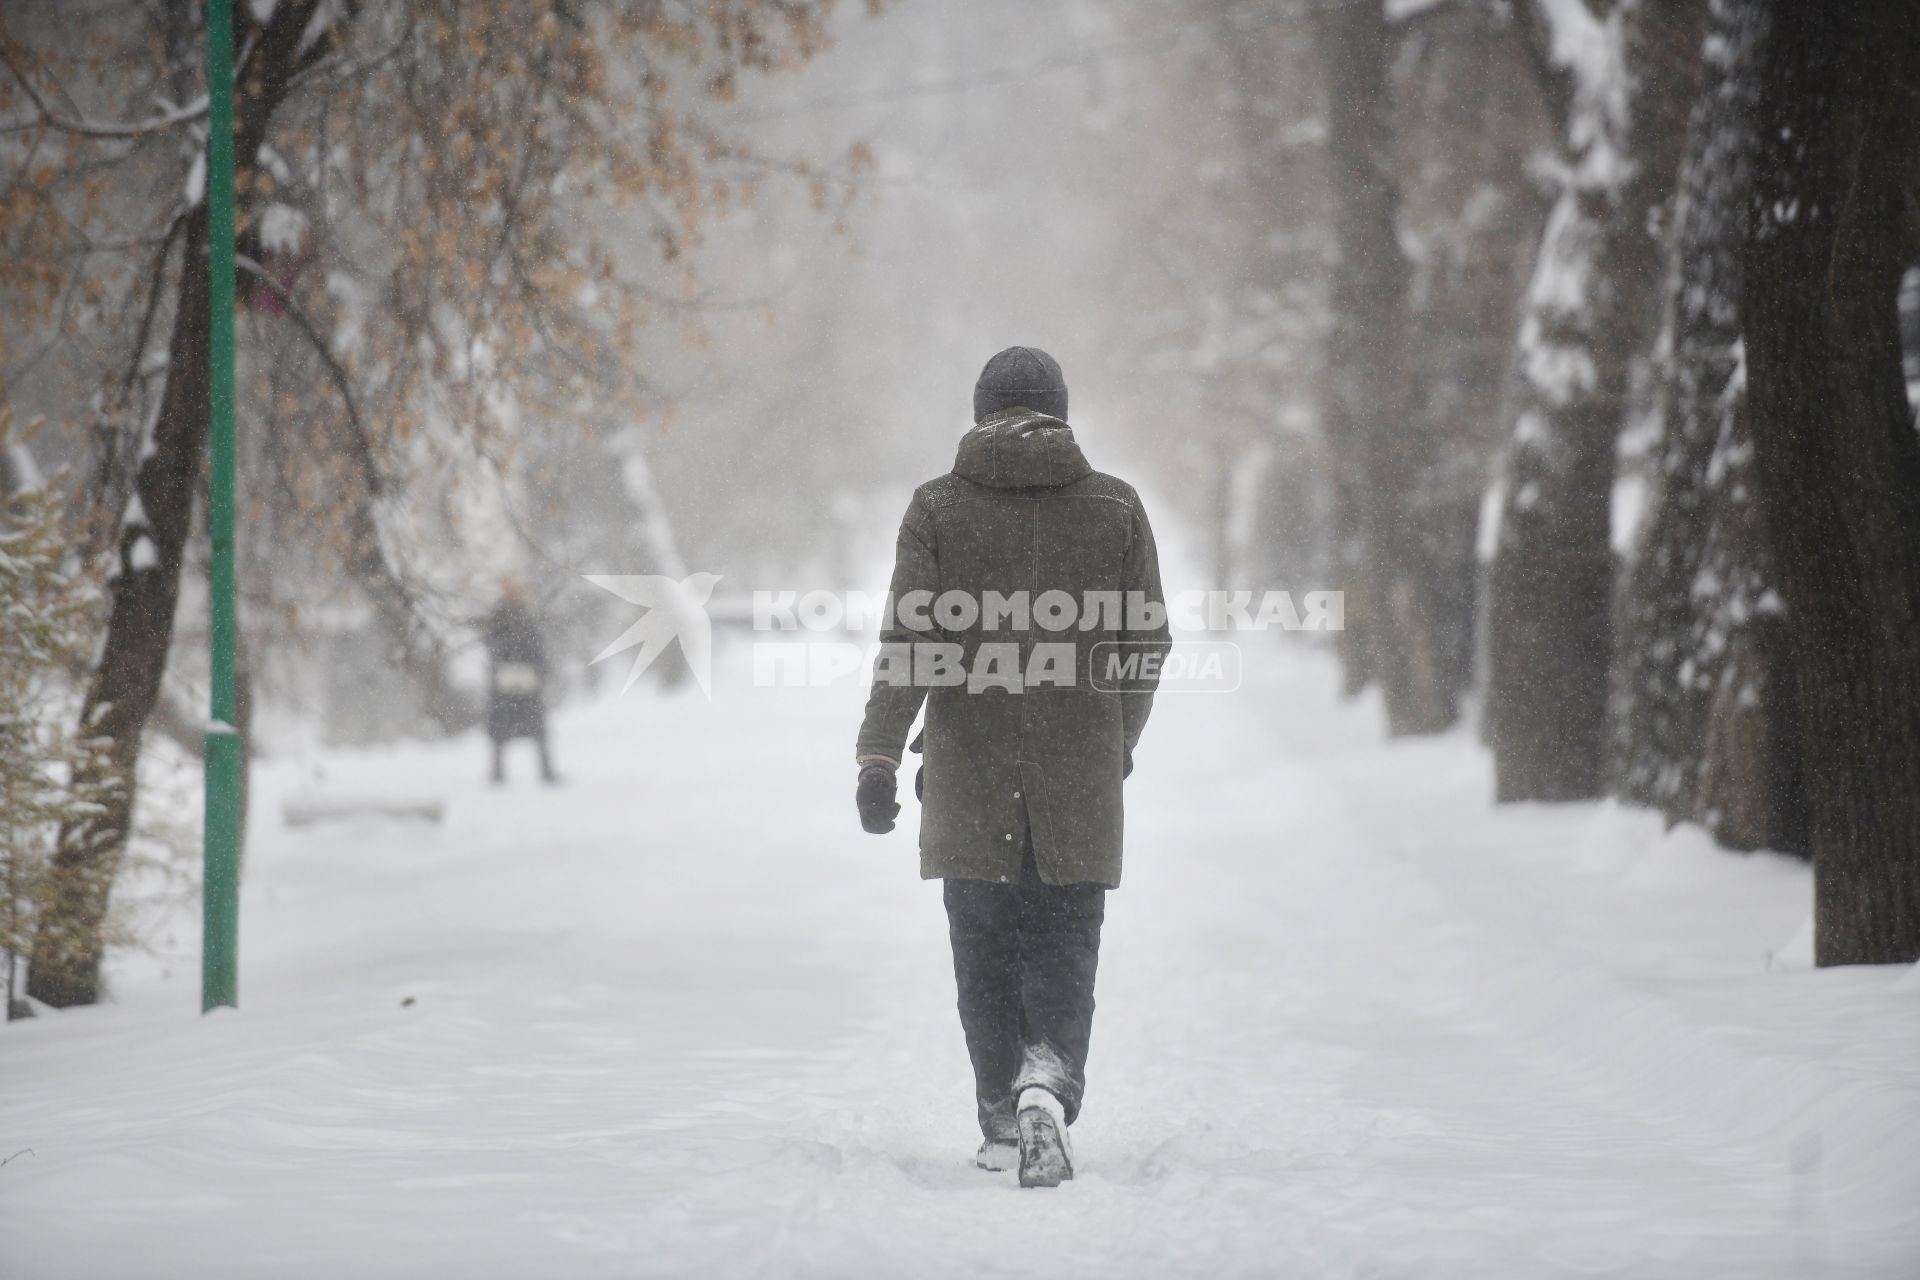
{"points": [[516, 685], [1021, 806]]}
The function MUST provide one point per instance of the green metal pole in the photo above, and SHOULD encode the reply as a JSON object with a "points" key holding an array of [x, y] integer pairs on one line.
{"points": [[220, 905]]}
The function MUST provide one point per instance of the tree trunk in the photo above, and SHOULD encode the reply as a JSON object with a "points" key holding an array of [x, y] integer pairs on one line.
{"points": [[1465, 110], [1837, 457], [1227, 463], [126, 682], [1369, 375], [1591, 312], [1703, 717], [1358, 668]]}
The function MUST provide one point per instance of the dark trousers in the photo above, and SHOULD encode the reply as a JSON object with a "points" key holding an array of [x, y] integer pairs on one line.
{"points": [[546, 757], [1023, 958]]}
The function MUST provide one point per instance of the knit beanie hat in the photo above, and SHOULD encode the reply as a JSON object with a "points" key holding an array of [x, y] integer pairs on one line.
{"points": [[1023, 376]]}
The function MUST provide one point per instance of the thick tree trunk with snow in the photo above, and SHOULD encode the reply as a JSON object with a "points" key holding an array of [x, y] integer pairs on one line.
{"points": [[1703, 717], [1837, 457], [1368, 410], [1466, 109], [1591, 312], [126, 681]]}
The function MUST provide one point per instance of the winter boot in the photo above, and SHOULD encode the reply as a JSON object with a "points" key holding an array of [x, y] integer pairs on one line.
{"points": [[997, 1155], [1046, 1155]]}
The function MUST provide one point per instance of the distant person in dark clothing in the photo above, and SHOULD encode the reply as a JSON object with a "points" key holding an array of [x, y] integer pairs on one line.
{"points": [[517, 679]]}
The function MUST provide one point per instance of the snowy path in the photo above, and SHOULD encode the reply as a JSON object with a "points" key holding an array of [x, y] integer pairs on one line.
{"points": [[682, 1018]]}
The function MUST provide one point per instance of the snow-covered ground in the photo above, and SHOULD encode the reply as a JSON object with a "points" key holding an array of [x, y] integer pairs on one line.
{"points": [[680, 1017]]}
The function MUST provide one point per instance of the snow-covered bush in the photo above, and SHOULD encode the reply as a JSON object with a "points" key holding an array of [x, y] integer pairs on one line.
{"points": [[47, 610]]}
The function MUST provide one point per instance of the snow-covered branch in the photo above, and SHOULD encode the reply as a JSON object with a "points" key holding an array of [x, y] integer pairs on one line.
{"points": [[171, 118]]}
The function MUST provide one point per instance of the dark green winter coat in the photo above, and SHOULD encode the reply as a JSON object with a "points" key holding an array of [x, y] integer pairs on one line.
{"points": [[1023, 512]]}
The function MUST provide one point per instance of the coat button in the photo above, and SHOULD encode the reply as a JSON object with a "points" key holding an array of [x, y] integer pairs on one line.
{"points": [[1016, 795], [1009, 835]]}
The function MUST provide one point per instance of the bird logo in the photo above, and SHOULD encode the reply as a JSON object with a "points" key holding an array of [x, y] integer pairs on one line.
{"points": [[673, 608]]}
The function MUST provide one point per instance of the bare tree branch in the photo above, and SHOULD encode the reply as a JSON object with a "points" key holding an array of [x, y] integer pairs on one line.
{"points": [[336, 373], [156, 277], [170, 119], [397, 604]]}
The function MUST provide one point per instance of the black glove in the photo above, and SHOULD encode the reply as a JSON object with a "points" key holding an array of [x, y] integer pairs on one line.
{"points": [[875, 798]]}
